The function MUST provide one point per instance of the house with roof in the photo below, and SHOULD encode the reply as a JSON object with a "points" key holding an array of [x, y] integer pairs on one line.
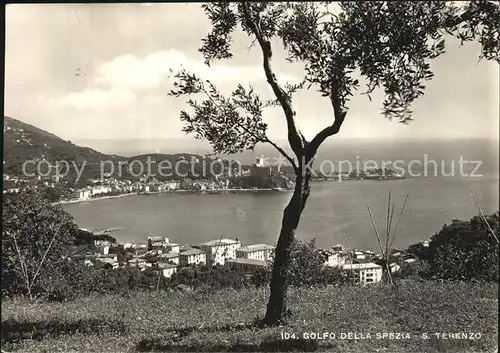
{"points": [[364, 273], [244, 264], [168, 271], [192, 257], [137, 262], [332, 259], [172, 247], [255, 252], [83, 194], [102, 262], [155, 243], [170, 257], [219, 250], [102, 248], [169, 185], [338, 248]]}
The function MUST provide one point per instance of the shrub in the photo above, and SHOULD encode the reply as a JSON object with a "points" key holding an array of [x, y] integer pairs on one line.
{"points": [[463, 250]]}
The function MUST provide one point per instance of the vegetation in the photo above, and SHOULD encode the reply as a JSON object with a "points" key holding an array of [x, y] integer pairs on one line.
{"points": [[24, 142], [386, 45], [463, 250], [131, 310], [307, 267], [224, 320], [35, 241]]}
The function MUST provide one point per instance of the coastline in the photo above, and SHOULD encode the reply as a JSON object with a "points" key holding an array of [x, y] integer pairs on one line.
{"points": [[95, 199], [212, 191]]}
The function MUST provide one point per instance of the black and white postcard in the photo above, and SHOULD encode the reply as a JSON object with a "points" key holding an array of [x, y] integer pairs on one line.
{"points": [[251, 177]]}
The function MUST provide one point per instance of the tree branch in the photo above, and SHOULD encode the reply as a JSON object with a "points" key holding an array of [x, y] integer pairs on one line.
{"points": [[284, 154], [294, 137], [331, 130], [263, 139], [23, 266], [456, 20], [44, 256]]}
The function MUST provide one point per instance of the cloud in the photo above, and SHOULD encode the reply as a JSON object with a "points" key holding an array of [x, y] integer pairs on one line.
{"points": [[98, 99], [130, 72], [119, 80]]}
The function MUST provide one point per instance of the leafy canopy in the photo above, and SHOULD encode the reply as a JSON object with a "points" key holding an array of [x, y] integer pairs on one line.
{"points": [[36, 238], [384, 44]]}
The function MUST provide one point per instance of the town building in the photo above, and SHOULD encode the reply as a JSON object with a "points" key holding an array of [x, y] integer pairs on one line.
{"points": [[255, 252], [338, 248], [102, 249], [259, 169], [394, 267], [359, 255], [169, 186], [83, 194], [102, 246], [155, 243], [137, 262], [365, 273], [219, 250], [168, 271], [102, 262], [192, 257], [331, 258], [170, 257], [172, 247], [244, 264]]}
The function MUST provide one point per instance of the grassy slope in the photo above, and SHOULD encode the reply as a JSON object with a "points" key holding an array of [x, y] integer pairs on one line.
{"points": [[221, 321]]}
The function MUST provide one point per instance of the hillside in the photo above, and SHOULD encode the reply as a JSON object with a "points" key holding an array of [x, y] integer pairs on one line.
{"points": [[24, 142], [223, 321]]}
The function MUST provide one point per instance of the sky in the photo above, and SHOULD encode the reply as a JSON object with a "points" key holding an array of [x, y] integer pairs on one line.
{"points": [[100, 72]]}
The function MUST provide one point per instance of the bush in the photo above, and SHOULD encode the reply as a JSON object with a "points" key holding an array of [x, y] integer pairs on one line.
{"points": [[307, 267], [464, 250], [34, 231]]}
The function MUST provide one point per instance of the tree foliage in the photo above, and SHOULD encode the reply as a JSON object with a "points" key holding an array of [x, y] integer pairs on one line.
{"points": [[307, 267], [463, 250], [36, 240], [387, 45]]}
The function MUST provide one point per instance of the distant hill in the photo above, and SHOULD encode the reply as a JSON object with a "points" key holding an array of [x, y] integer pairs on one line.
{"points": [[24, 142]]}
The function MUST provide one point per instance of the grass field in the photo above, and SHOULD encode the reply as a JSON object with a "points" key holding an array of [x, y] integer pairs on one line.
{"points": [[224, 320]]}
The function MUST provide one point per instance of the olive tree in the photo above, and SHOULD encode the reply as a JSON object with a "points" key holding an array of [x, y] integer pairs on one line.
{"points": [[36, 237], [343, 47]]}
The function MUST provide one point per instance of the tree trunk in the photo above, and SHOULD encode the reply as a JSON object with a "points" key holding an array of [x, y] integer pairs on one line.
{"points": [[276, 307]]}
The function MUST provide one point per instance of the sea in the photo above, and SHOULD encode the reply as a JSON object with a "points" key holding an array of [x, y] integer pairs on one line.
{"points": [[439, 177]]}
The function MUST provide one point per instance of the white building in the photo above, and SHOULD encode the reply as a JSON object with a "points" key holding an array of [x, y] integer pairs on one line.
{"points": [[103, 249], [333, 259], [169, 185], [137, 262], [172, 247], [255, 252], [192, 257], [168, 271], [338, 248], [246, 264], [358, 255], [366, 273], [172, 257], [157, 242], [394, 267], [219, 250], [83, 194]]}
